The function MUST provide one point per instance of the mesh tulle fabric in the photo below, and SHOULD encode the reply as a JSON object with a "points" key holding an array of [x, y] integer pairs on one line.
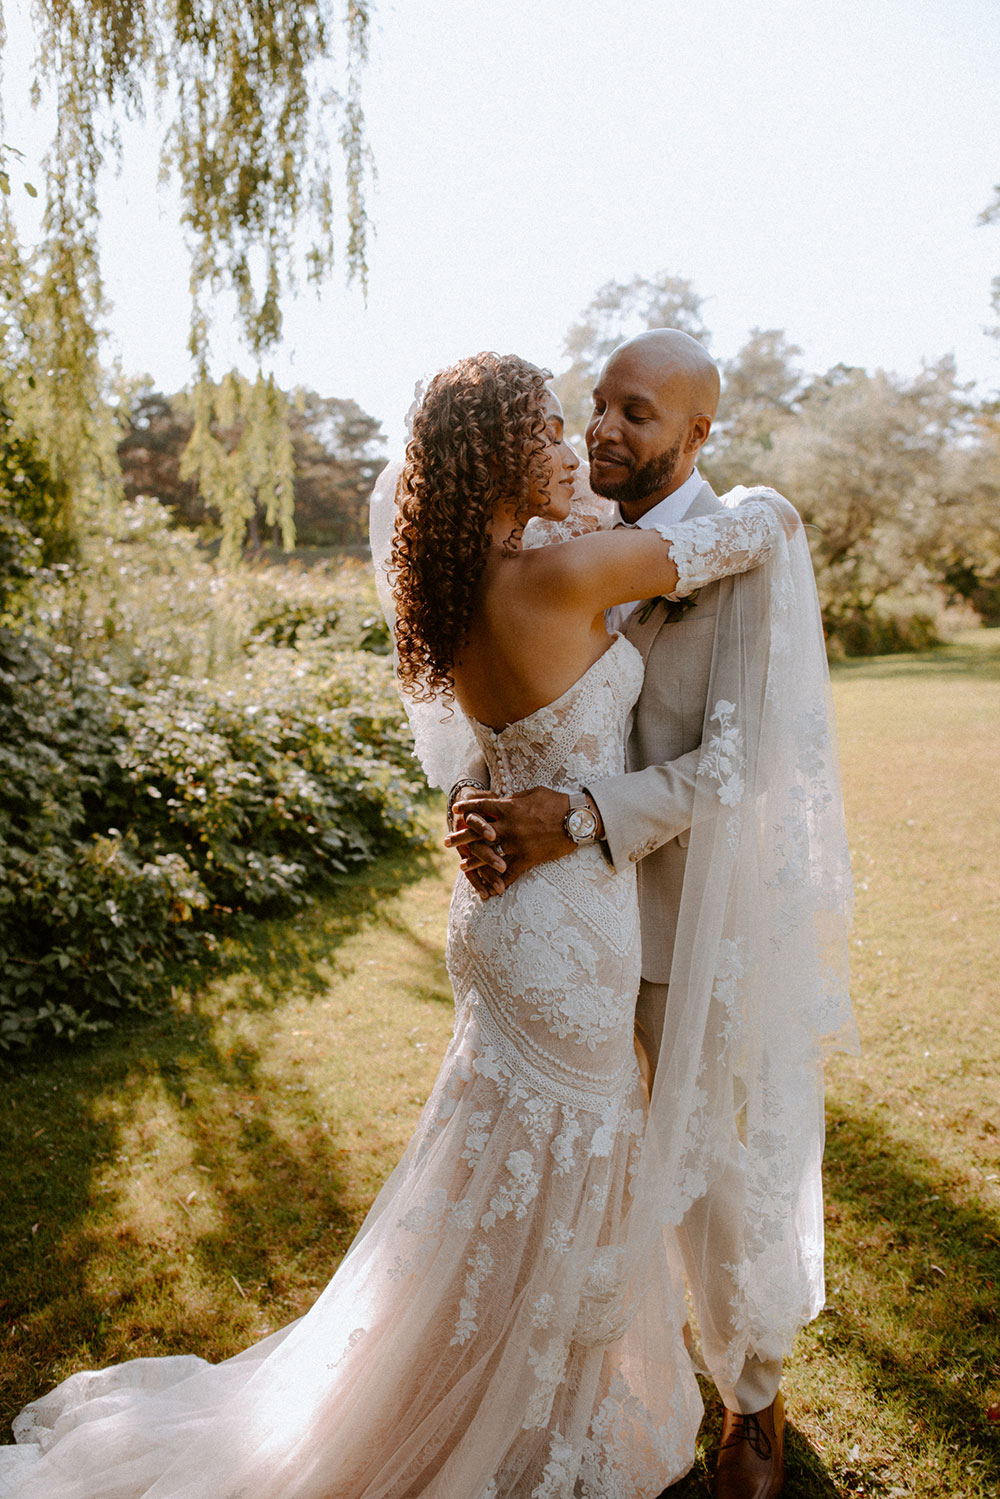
{"points": [[758, 992], [472, 1343]]}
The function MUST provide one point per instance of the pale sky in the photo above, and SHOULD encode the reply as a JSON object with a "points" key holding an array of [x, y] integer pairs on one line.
{"points": [[810, 165]]}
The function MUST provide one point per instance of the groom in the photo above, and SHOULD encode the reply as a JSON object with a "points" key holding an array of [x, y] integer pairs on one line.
{"points": [[654, 403]]}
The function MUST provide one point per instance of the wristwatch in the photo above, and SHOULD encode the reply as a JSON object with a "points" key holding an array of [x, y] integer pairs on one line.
{"points": [[581, 822]]}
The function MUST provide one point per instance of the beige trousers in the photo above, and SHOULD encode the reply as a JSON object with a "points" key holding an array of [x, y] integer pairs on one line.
{"points": [[709, 1240]]}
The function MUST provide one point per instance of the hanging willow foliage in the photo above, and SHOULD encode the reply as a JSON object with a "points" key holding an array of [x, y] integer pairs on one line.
{"points": [[257, 469], [257, 100]]}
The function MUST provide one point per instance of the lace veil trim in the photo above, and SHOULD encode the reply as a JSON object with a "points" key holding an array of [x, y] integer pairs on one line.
{"points": [[759, 979]]}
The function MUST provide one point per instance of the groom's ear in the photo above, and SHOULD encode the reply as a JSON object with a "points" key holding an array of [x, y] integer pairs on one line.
{"points": [[698, 429]]}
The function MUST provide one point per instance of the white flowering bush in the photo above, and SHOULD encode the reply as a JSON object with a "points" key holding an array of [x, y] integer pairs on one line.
{"points": [[178, 745]]}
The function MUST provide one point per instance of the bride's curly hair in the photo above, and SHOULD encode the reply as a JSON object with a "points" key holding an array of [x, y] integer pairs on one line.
{"points": [[479, 436]]}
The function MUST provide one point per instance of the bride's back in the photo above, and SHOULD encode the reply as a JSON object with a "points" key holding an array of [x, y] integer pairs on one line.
{"points": [[529, 639]]}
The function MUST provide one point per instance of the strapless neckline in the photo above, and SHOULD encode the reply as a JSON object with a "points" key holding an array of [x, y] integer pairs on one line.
{"points": [[556, 702]]}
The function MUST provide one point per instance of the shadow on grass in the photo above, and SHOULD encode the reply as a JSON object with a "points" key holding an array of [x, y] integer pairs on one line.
{"points": [[915, 1312], [913, 1272], [977, 655], [93, 1273], [305, 948]]}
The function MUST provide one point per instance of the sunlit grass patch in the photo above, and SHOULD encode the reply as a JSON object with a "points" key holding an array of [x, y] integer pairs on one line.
{"points": [[192, 1184], [887, 1391], [895, 1378]]}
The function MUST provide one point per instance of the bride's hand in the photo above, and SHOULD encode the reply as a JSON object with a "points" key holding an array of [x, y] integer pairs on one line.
{"points": [[510, 834], [482, 866]]}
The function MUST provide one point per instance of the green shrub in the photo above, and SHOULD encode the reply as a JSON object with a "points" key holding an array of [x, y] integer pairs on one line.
{"points": [[142, 805], [882, 632], [32, 514]]}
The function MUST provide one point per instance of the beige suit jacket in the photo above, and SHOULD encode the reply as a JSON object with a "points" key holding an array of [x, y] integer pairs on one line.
{"points": [[647, 812]]}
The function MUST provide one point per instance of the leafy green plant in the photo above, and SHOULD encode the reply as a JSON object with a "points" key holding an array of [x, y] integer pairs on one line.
{"points": [[32, 513], [180, 746], [133, 820]]}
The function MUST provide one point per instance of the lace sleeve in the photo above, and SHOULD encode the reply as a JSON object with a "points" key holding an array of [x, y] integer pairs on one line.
{"points": [[715, 546]]}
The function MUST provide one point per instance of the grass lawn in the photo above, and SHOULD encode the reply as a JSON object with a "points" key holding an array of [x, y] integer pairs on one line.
{"points": [[191, 1184]]}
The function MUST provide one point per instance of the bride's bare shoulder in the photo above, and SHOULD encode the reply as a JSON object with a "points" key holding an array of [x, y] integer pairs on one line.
{"points": [[578, 553], [586, 572]]}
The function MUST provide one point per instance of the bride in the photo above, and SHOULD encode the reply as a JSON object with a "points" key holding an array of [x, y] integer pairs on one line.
{"points": [[508, 1322]]}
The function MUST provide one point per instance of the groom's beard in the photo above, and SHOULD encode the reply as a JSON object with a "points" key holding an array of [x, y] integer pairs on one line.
{"points": [[648, 479]]}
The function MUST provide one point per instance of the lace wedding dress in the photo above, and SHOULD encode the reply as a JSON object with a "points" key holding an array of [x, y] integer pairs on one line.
{"points": [[469, 1346]]}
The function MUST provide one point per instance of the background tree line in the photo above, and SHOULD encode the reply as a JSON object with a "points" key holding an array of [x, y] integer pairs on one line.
{"points": [[185, 742], [336, 452], [897, 479]]}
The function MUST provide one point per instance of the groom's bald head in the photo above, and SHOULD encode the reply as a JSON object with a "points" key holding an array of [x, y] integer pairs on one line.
{"points": [[668, 357], [654, 403]]}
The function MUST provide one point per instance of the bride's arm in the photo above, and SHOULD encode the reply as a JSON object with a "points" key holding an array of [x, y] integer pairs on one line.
{"points": [[614, 567]]}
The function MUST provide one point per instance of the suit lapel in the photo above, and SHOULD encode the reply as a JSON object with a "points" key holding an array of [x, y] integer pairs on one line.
{"points": [[641, 634]]}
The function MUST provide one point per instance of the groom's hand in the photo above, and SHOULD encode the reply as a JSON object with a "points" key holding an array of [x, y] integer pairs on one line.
{"points": [[500, 837]]}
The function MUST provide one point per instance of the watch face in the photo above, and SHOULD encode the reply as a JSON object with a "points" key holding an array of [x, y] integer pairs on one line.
{"points": [[581, 824]]}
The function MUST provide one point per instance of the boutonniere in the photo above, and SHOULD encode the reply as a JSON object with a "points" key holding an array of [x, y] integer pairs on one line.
{"points": [[675, 608]]}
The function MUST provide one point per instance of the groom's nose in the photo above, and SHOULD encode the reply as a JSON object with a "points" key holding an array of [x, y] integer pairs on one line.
{"points": [[603, 427]]}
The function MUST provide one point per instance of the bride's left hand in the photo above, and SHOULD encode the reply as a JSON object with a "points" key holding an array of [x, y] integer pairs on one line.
{"points": [[501, 837], [479, 861]]}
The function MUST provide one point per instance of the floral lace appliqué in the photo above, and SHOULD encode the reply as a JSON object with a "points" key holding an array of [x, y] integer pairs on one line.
{"points": [[516, 1195], [705, 548], [480, 1264]]}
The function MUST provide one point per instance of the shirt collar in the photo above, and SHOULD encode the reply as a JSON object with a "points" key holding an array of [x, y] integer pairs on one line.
{"points": [[672, 507]]}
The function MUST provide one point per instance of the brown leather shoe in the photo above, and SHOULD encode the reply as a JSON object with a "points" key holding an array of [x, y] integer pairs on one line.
{"points": [[752, 1456]]}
